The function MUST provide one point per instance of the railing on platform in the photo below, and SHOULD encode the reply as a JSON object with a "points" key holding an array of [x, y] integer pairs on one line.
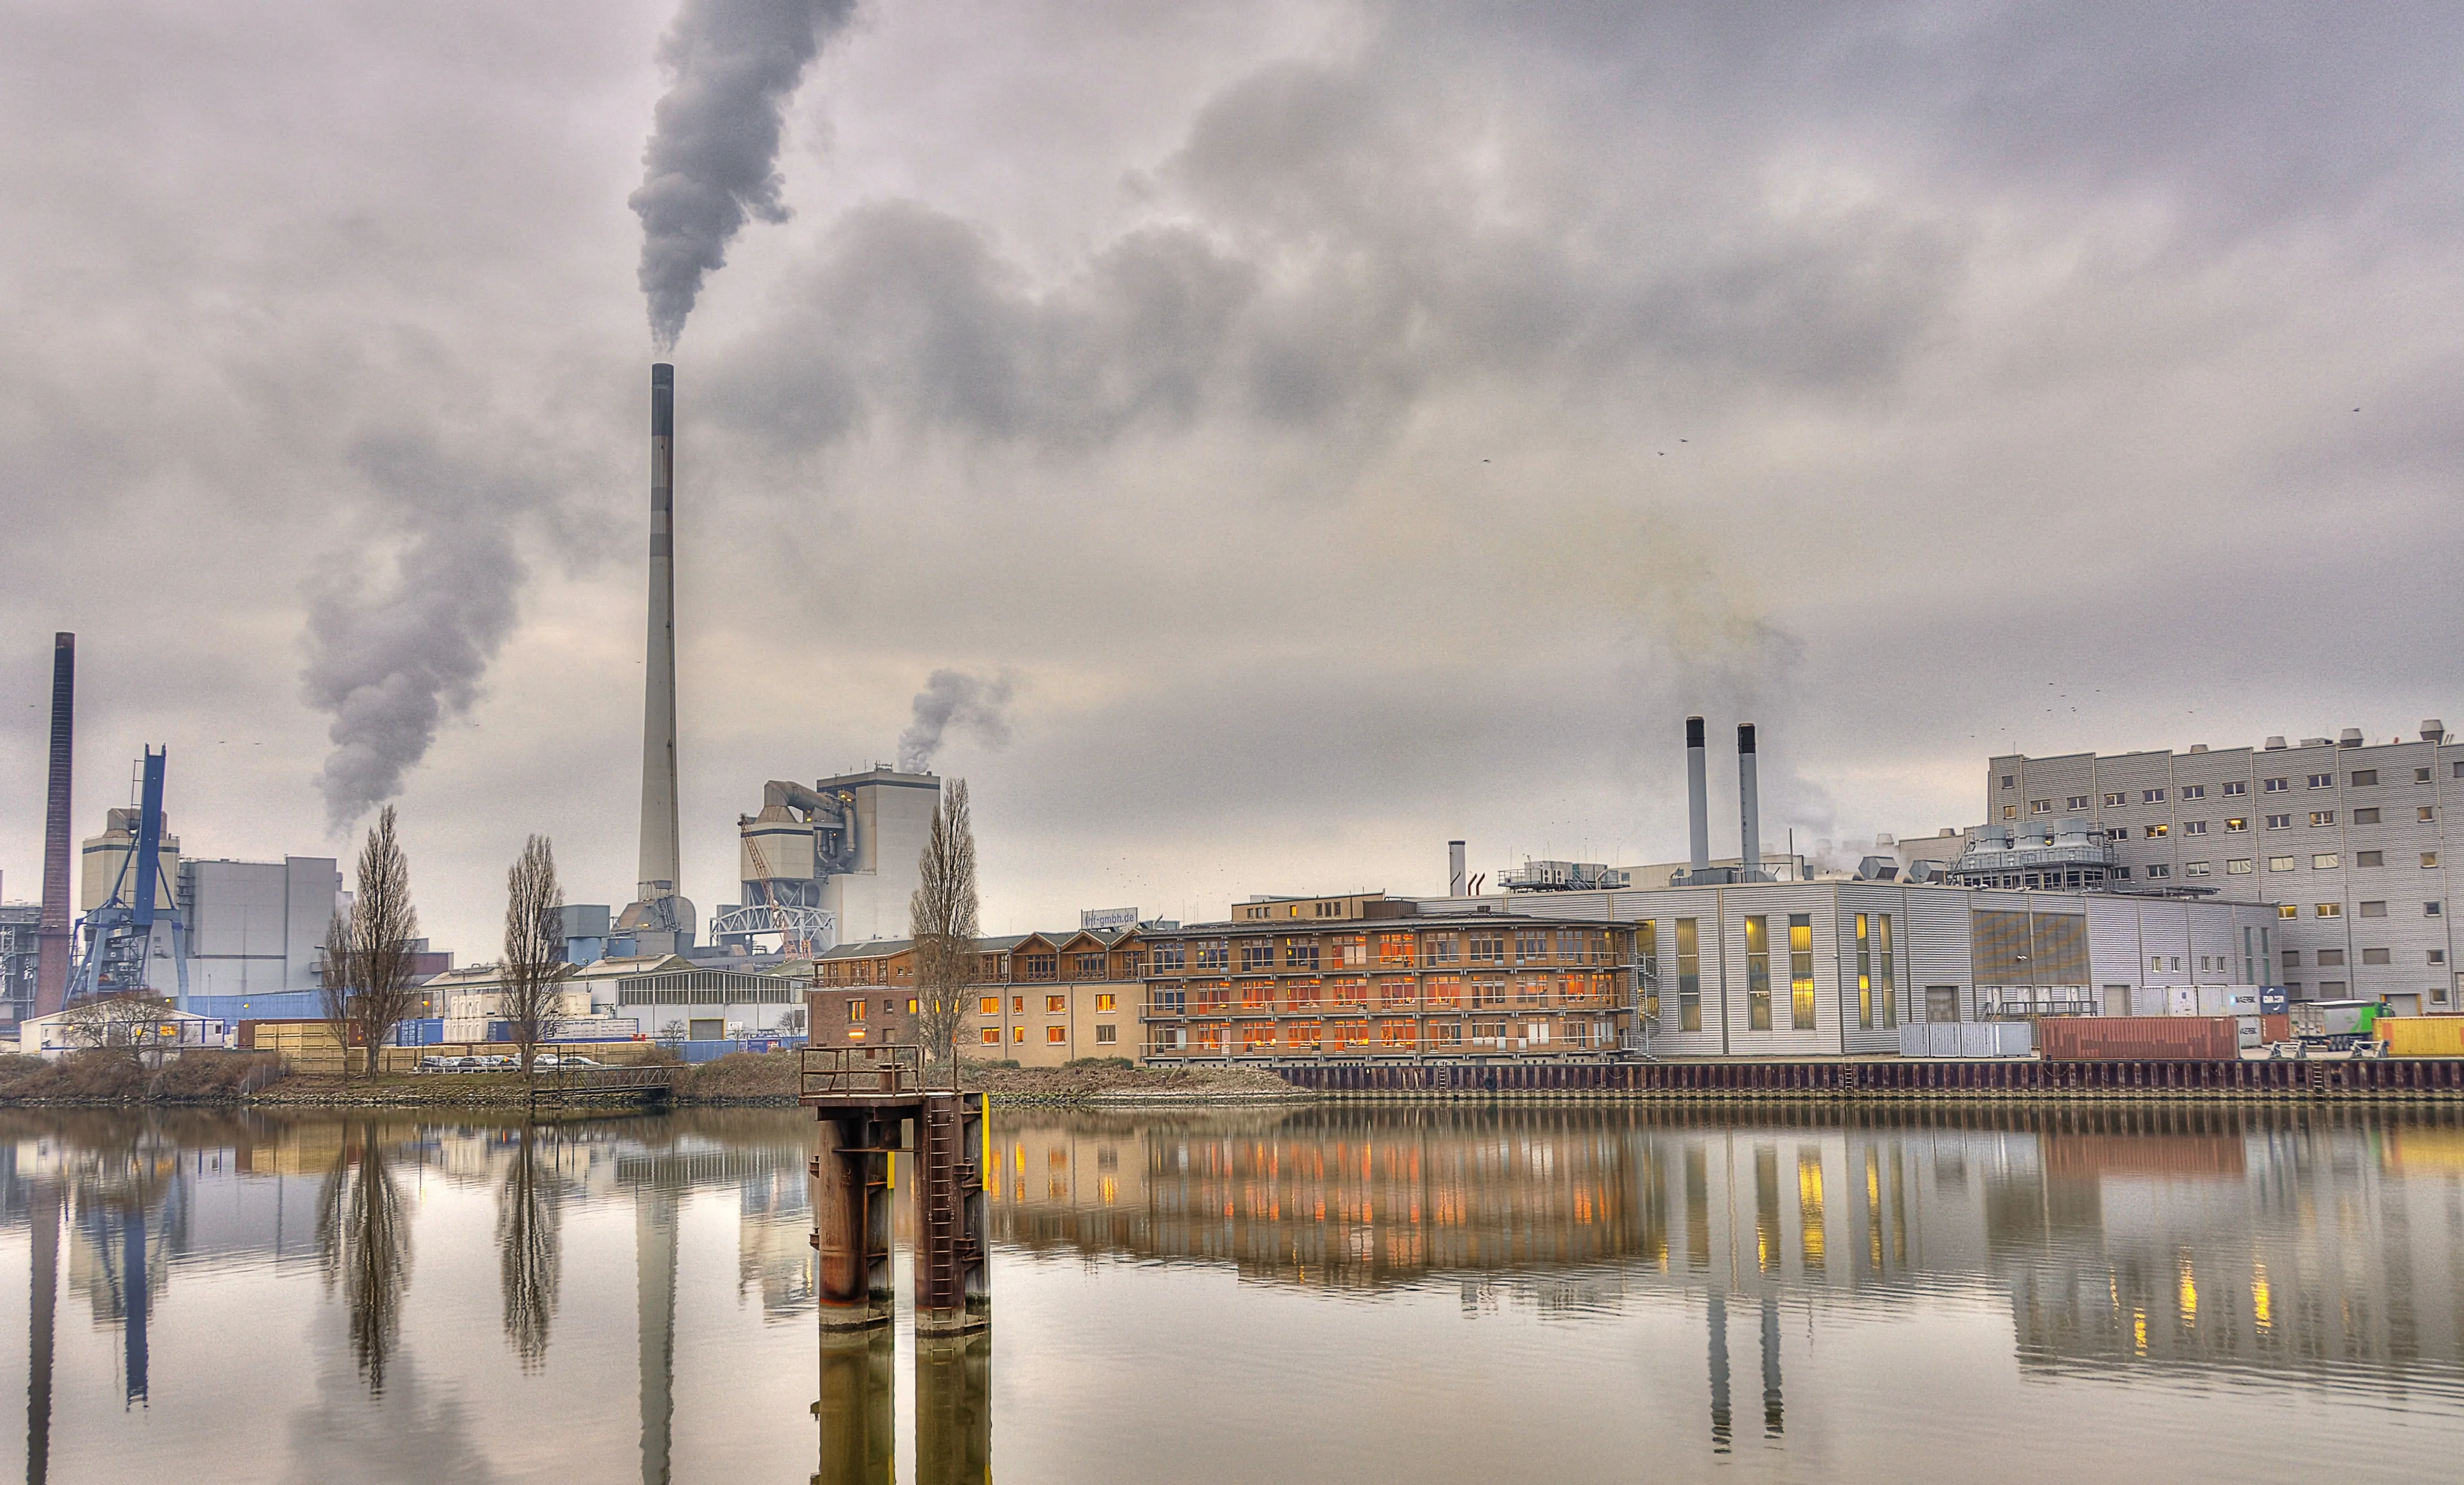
{"points": [[551, 1085], [889, 1069]]}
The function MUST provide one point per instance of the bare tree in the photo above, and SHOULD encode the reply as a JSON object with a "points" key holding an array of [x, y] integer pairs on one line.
{"points": [[134, 1025], [366, 987], [942, 920], [533, 949], [528, 1251], [364, 1233]]}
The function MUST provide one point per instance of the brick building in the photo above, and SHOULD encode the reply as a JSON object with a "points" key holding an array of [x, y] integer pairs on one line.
{"points": [[1039, 999]]}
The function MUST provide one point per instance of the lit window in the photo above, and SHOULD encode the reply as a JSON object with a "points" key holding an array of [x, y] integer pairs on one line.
{"points": [[2159, 832], [855, 1010], [2239, 866], [1058, 1033], [2236, 825], [1017, 1034], [991, 1035], [2425, 812], [990, 1006], [1055, 1004], [2288, 910], [2328, 910], [2326, 861], [2279, 863], [2322, 817], [2116, 801], [911, 1005], [1107, 1002], [2009, 812], [2428, 860]]}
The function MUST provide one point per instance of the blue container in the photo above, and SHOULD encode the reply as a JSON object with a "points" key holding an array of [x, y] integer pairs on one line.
{"points": [[2272, 1001]]}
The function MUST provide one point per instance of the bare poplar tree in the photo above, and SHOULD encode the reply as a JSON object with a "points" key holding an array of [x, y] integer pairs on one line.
{"points": [[942, 920], [533, 949], [366, 987]]}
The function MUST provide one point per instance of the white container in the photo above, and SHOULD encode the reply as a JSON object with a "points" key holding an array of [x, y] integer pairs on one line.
{"points": [[2181, 1000], [1913, 1041]]}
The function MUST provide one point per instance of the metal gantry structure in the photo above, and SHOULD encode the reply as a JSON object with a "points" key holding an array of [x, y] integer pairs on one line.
{"points": [[119, 933]]}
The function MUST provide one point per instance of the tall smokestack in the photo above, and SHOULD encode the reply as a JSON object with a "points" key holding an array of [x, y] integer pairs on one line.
{"points": [[52, 937], [1455, 879], [1698, 796], [661, 866], [1749, 810]]}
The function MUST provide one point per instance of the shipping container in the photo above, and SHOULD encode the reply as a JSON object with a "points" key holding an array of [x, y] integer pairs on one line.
{"points": [[2276, 1027], [2135, 1038], [2422, 1036]]}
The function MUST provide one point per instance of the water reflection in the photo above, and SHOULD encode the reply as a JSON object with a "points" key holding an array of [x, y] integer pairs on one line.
{"points": [[364, 1238], [528, 1213]]}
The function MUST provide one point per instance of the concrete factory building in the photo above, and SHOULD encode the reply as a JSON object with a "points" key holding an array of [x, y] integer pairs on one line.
{"points": [[836, 863], [259, 928], [2346, 838]]}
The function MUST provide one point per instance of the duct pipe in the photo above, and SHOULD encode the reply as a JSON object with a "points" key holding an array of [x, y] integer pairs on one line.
{"points": [[53, 941], [661, 868], [1749, 812], [1455, 881], [1698, 796]]}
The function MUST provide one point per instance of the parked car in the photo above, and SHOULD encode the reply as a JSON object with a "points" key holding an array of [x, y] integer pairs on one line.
{"points": [[565, 1059]]}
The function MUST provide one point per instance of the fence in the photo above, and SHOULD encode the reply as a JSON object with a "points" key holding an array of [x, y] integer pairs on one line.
{"points": [[2392, 1077]]}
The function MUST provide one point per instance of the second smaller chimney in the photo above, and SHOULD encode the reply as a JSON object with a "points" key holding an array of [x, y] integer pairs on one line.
{"points": [[1698, 797], [1456, 885], [1749, 812]]}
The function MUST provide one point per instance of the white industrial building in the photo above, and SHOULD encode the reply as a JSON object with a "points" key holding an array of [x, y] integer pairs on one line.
{"points": [[836, 863], [257, 927], [2343, 839]]}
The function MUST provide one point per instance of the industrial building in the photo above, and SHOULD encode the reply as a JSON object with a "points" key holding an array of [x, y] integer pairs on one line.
{"points": [[1039, 1000], [836, 863], [259, 928], [20, 962], [2344, 838]]}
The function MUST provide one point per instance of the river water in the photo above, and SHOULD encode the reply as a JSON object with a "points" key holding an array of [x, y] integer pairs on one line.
{"points": [[1324, 1294]]}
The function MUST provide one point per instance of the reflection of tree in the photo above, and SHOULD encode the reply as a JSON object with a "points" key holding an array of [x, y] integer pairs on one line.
{"points": [[365, 1235], [527, 1218]]}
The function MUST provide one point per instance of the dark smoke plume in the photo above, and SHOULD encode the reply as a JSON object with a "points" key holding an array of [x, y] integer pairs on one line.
{"points": [[711, 160], [952, 698]]}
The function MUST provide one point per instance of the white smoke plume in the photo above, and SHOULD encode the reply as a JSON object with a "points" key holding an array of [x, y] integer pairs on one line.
{"points": [[712, 156], [953, 698]]}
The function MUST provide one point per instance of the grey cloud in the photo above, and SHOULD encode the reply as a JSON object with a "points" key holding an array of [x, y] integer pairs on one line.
{"points": [[711, 160]]}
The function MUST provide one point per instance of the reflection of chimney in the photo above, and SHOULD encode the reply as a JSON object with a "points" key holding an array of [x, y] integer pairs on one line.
{"points": [[1772, 1411], [1749, 810], [1455, 883], [1698, 796], [1717, 1321], [53, 937]]}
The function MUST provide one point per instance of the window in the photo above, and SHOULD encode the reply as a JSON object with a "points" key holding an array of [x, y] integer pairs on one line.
{"points": [[2239, 866], [1488, 948], [2152, 796], [2159, 832], [2439, 956], [1055, 1004], [2279, 822], [2275, 785], [1017, 1034], [2370, 859], [1439, 948], [2433, 909], [2327, 910], [1018, 1005], [2429, 861], [1040, 966], [2194, 791], [2363, 778], [1108, 1033], [1530, 944], [1865, 970], [2236, 825], [855, 1009], [1056, 1034], [2326, 861], [2421, 776], [2009, 812], [2196, 869], [1800, 971], [2194, 827], [2010, 781], [1690, 976], [2074, 802], [2155, 963], [2121, 873], [2373, 910], [1886, 969], [2459, 770], [2331, 959], [2425, 812], [2234, 786], [1646, 959], [990, 1036], [2288, 910], [2122, 832], [989, 1006], [2292, 959], [2116, 801], [2375, 957], [2321, 817], [1258, 954], [1091, 966], [2279, 863], [2040, 807], [2331, 989], [1107, 1002], [2323, 781], [1758, 1007], [912, 1004], [2364, 817], [1299, 953], [2159, 871]]}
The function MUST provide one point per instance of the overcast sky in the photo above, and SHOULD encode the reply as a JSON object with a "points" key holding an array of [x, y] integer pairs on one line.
{"points": [[1342, 428]]}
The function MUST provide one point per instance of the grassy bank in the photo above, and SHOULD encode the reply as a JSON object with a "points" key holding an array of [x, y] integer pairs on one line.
{"points": [[247, 1079]]}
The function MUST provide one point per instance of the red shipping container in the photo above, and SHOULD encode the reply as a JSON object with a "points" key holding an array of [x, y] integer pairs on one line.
{"points": [[2276, 1029], [2140, 1038]]}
